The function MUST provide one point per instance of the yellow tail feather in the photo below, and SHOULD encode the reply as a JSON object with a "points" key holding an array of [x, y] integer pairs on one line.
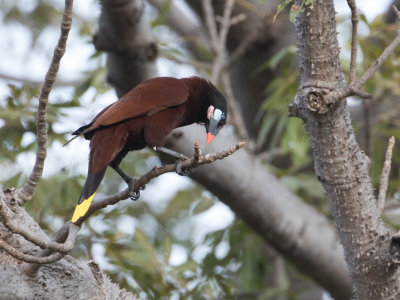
{"points": [[82, 208]]}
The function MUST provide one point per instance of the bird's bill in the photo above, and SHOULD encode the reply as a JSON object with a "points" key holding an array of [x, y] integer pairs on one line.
{"points": [[212, 130], [210, 137]]}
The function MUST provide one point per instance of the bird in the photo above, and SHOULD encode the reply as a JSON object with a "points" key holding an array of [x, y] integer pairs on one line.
{"points": [[144, 117]]}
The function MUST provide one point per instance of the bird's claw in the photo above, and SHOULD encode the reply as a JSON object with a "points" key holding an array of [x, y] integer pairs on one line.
{"points": [[134, 195], [182, 171]]}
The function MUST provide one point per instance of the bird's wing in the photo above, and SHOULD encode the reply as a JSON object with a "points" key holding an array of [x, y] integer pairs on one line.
{"points": [[149, 97]]}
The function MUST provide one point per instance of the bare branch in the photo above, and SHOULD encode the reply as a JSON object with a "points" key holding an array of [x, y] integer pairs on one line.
{"points": [[385, 175], [236, 117], [193, 162], [247, 41], [354, 21], [197, 64], [220, 51], [378, 63], [30, 81], [38, 241], [30, 258], [29, 187], [211, 26]]}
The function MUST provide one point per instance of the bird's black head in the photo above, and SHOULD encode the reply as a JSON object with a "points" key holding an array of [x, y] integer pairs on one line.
{"points": [[217, 113]]}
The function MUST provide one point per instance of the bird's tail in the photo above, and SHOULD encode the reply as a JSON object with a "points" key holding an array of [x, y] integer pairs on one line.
{"points": [[77, 133], [93, 181]]}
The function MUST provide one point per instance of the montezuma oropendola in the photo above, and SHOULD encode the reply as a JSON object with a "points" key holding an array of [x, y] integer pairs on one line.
{"points": [[144, 117]]}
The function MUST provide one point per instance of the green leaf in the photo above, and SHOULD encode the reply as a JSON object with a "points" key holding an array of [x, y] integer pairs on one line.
{"points": [[281, 7]]}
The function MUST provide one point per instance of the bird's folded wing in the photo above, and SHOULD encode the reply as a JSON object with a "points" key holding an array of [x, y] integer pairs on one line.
{"points": [[149, 97]]}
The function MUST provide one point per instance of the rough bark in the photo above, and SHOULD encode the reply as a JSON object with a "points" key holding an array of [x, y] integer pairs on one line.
{"points": [[339, 164], [68, 278]]}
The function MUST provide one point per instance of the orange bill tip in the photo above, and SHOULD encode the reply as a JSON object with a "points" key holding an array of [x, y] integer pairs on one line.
{"points": [[210, 137]]}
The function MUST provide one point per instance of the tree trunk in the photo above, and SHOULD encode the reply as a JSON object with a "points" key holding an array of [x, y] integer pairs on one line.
{"points": [[339, 164]]}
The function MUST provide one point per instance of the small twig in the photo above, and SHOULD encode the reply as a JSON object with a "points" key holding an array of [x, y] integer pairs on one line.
{"points": [[247, 41], [211, 26], [196, 155], [34, 82], [379, 62], [234, 20], [155, 172], [236, 116], [197, 64], [30, 185], [385, 175], [221, 52], [354, 21]]}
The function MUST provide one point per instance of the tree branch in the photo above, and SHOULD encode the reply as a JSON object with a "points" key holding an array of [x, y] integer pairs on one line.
{"points": [[26, 192], [30, 258], [354, 21], [34, 239], [195, 161], [385, 175]]}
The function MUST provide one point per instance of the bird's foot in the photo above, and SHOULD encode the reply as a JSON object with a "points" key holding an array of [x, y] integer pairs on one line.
{"points": [[182, 171], [134, 195]]}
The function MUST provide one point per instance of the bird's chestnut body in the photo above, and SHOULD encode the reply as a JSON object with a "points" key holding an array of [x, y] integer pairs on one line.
{"points": [[144, 117]]}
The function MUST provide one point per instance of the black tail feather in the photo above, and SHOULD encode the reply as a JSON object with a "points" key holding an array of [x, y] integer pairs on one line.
{"points": [[92, 183]]}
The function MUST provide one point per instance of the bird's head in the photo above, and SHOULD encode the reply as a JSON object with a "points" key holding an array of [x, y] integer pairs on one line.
{"points": [[216, 115]]}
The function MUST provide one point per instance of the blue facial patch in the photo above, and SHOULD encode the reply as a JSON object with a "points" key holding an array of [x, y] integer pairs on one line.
{"points": [[217, 114]]}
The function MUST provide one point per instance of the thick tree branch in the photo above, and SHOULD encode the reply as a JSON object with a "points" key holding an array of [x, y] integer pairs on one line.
{"points": [[26, 192]]}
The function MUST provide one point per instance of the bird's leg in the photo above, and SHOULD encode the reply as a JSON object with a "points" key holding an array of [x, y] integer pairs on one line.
{"points": [[134, 195], [171, 152], [179, 157]]}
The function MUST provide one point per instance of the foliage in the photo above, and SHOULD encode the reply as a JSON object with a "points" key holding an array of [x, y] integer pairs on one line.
{"points": [[294, 8]]}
